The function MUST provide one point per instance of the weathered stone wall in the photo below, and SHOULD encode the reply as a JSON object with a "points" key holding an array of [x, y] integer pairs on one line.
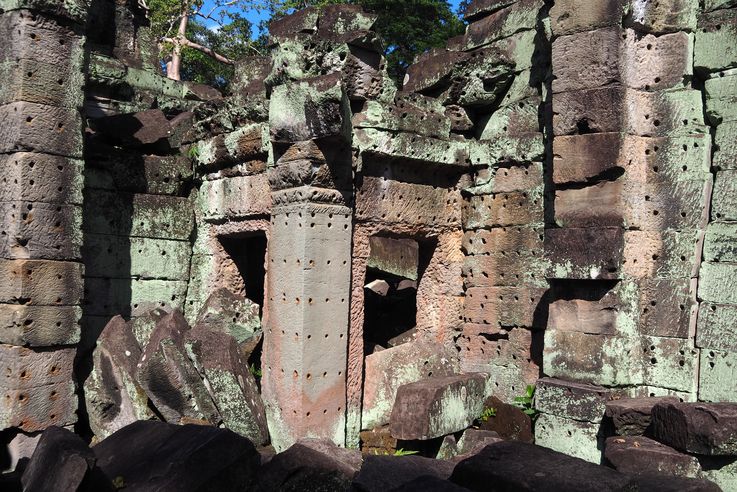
{"points": [[562, 171]]}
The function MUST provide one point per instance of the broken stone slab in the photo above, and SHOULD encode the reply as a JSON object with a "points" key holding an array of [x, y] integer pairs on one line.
{"points": [[228, 380], [414, 148], [112, 395], [378, 287], [508, 422], [430, 484], [40, 326], [249, 142], [435, 407], [520, 466], [308, 464], [433, 70], [159, 456], [286, 28], [637, 455], [477, 9], [521, 15], [144, 325], [631, 416], [38, 388], [474, 440], [674, 484], [390, 472], [40, 230], [36, 177], [387, 370], [170, 379], [60, 462], [412, 113], [573, 400], [310, 109], [231, 314], [398, 257], [701, 428]]}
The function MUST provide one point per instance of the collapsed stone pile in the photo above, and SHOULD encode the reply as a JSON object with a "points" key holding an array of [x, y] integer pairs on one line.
{"points": [[159, 456]]}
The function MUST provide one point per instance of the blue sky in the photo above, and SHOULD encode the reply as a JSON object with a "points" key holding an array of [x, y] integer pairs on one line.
{"points": [[256, 18]]}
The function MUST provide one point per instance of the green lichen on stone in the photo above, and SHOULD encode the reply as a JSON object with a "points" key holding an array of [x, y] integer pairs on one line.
{"points": [[572, 437], [718, 372]]}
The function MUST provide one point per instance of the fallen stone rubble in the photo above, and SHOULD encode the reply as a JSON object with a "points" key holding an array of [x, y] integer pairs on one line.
{"points": [[150, 455]]}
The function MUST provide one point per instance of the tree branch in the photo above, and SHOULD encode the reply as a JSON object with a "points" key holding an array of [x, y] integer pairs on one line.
{"points": [[204, 49]]}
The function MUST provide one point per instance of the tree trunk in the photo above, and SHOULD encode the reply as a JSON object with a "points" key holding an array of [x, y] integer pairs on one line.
{"points": [[173, 68]]}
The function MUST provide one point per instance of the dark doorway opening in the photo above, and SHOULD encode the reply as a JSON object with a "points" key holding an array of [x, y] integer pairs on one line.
{"points": [[248, 253]]}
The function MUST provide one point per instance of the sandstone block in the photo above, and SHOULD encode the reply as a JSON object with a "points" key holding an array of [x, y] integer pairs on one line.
{"points": [[144, 325], [716, 327], [615, 56], [61, 462], [394, 472], [640, 455], [41, 282], [715, 47], [578, 439], [38, 389], [232, 387], [481, 8], [716, 374], [231, 314], [511, 240], [156, 175], [289, 26], [718, 243], [724, 203], [398, 257], [438, 406], [725, 154], [39, 326], [385, 371], [663, 368], [236, 197], [40, 230], [665, 306], [394, 201], [508, 422], [432, 70], [143, 258], [106, 296], [521, 15], [52, 41], [664, 17], [503, 209], [584, 253], [408, 113], [718, 283], [670, 254], [168, 377], [414, 148], [505, 270], [526, 467], [113, 397], [595, 359], [41, 128], [156, 455], [702, 428], [138, 215], [74, 10], [721, 97], [614, 108], [247, 143], [631, 416], [513, 120], [510, 179], [309, 109], [41, 178], [569, 16], [502, 306], [585, 307], [571, 400]]}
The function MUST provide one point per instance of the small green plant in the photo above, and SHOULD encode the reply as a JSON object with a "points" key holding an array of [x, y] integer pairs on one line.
{"points": [[525, 401], [402, 452], [256, 371], [194, 152], [487, 414]]}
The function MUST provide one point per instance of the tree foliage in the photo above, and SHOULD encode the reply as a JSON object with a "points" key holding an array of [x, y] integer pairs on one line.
{"points": [[204, 54]]}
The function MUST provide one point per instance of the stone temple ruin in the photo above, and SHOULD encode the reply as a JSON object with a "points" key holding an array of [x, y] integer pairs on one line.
{"points": [[548, 201]]}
